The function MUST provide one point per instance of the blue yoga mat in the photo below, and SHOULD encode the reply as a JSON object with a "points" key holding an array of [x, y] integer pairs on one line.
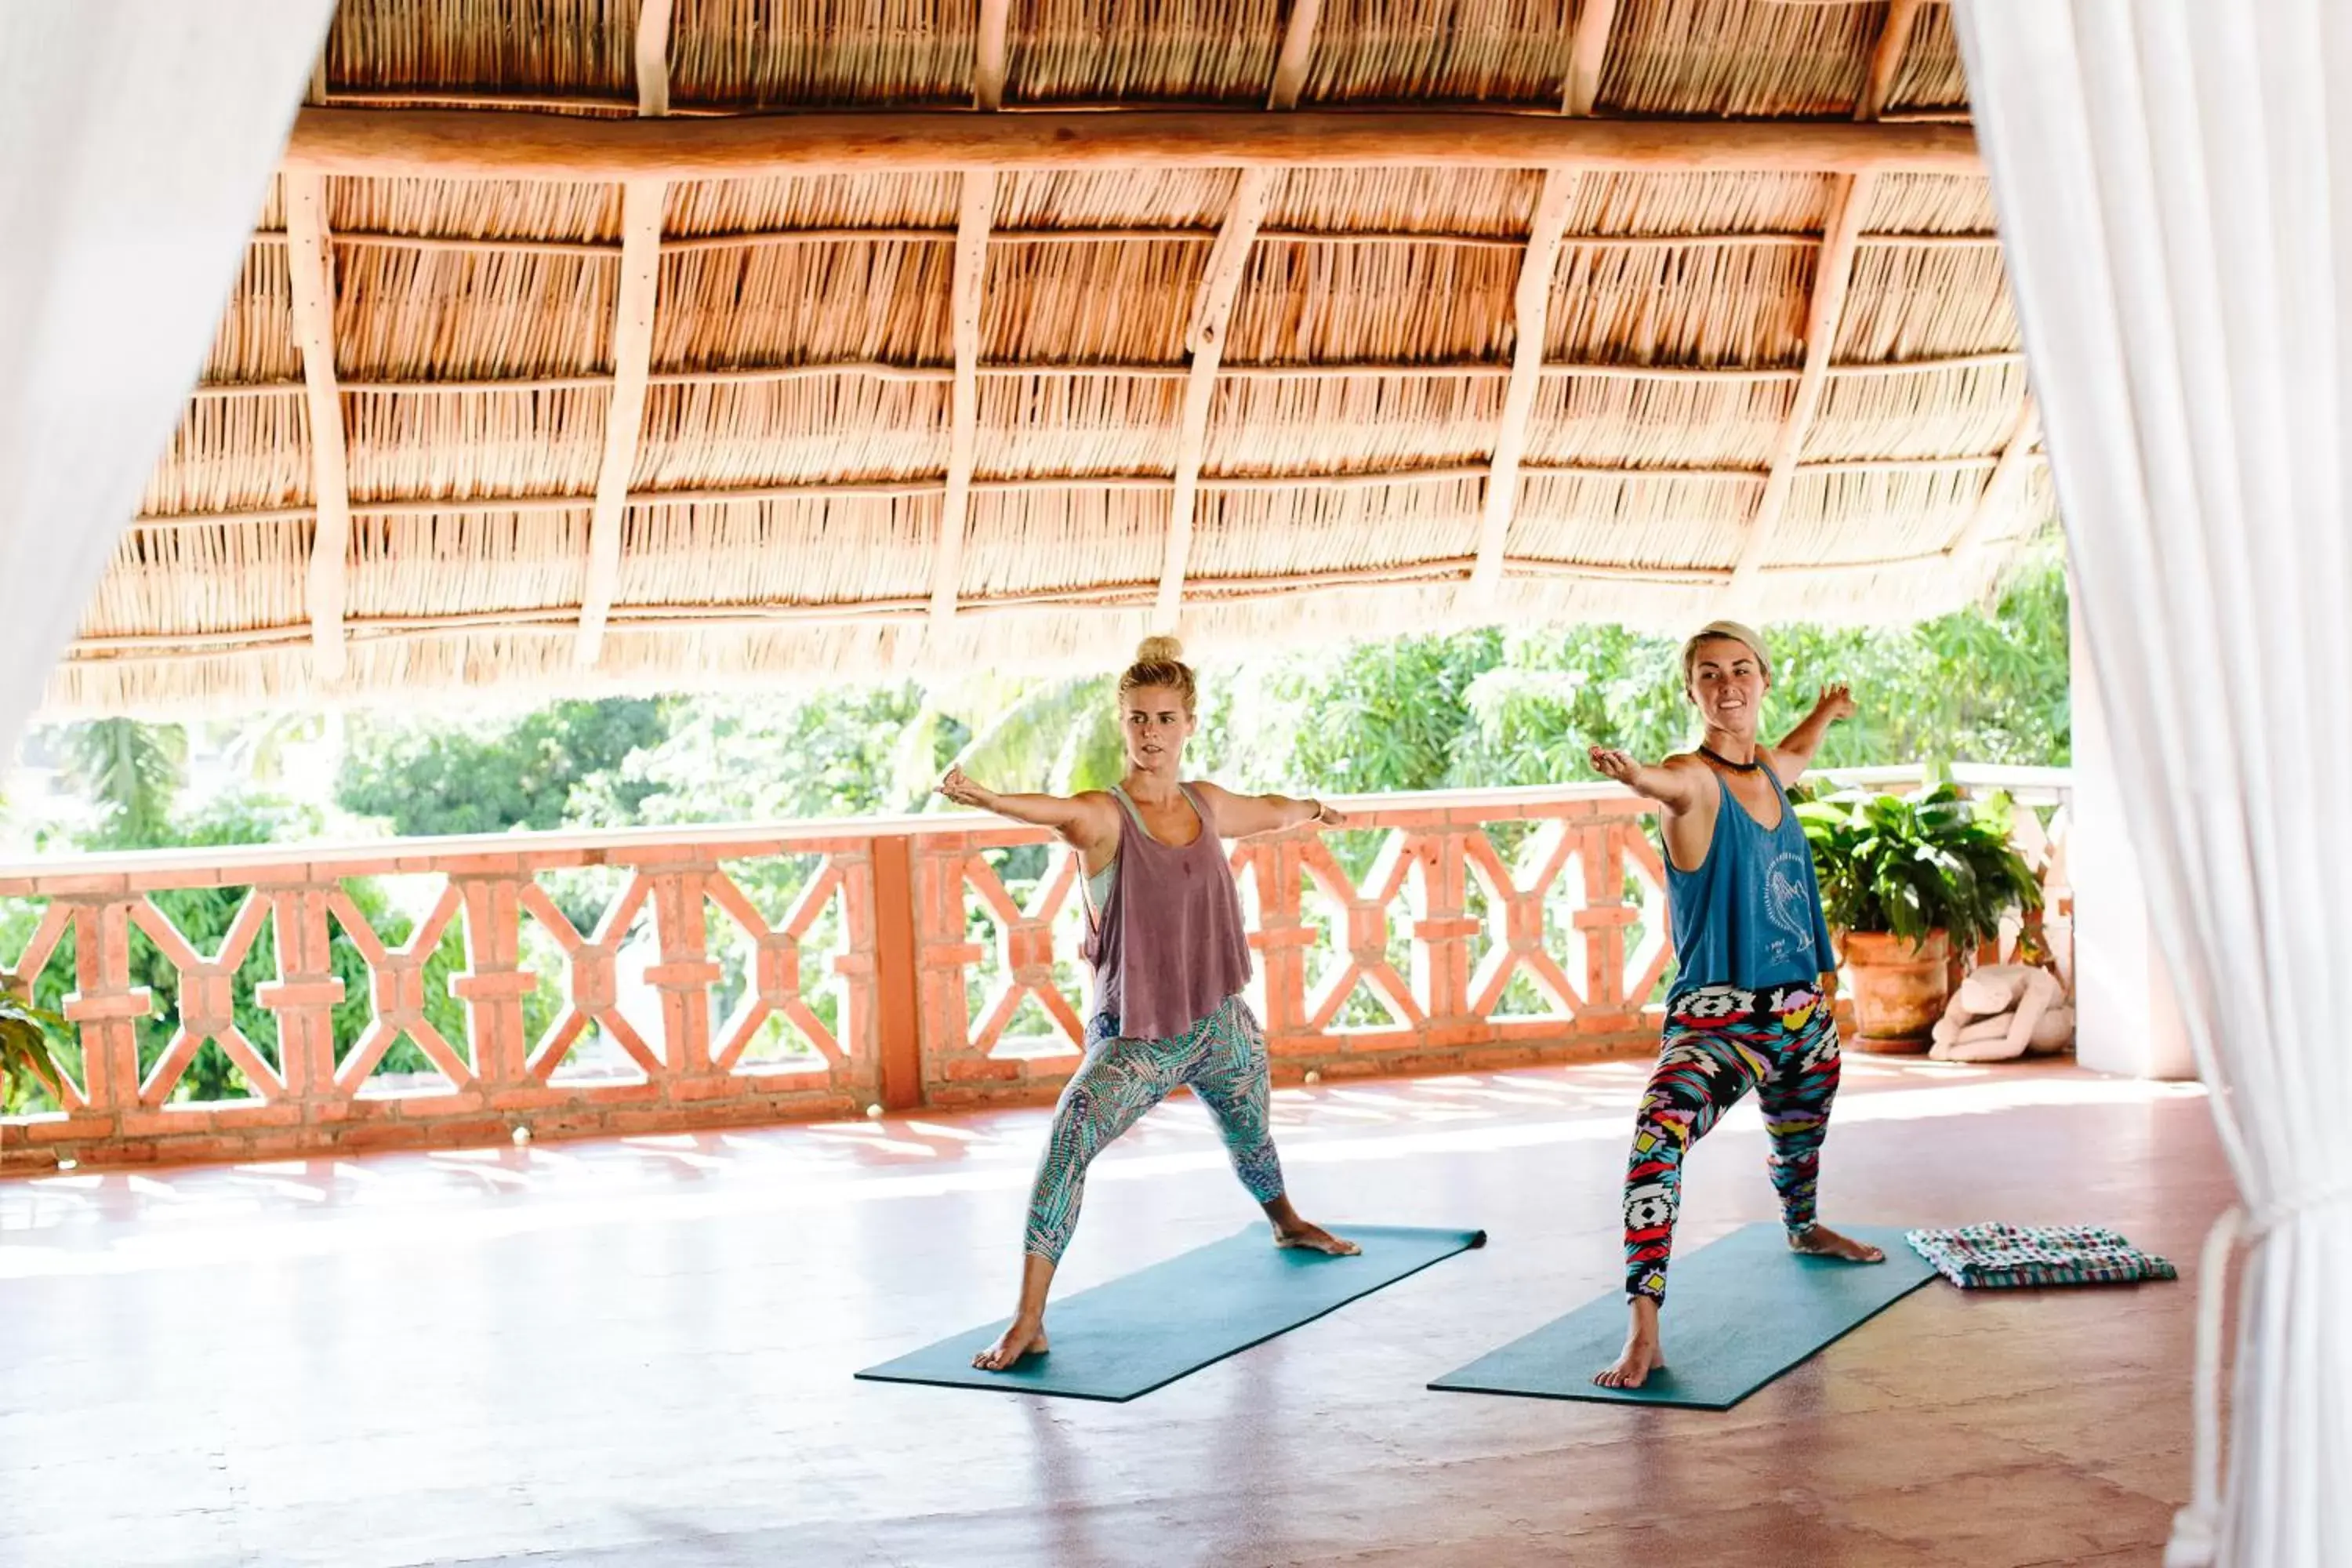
{"points": [[1147, 1328], [1738, 1314]]}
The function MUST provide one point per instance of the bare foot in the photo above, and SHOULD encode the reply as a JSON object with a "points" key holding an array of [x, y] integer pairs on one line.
{"points": [[1026, 1336], [1823, 1242], [1644, 1352], [1314, 1238]]}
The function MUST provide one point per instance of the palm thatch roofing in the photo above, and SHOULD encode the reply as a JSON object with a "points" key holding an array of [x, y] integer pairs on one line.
{"points": [[627, 344]]}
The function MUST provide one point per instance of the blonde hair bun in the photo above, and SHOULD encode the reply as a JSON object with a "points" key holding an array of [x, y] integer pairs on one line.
{"points": [[1160, 650]]}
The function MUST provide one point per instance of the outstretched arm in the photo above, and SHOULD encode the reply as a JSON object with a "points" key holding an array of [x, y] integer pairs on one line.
{"points": [[1677, 789], [1081, 821], [1794, 754], [1244, 815]]}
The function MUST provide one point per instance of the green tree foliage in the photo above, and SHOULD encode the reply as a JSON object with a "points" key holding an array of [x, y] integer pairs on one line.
{"points": [[1486, 708], [755, 759], [427, 775], [133, 771]]}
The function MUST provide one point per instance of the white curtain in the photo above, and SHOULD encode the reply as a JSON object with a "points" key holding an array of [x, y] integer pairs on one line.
{"points": [[2174, 179], [137, 138]]}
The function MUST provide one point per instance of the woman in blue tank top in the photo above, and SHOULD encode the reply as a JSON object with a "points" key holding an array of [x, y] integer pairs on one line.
{"points": [[1747, 1009]]}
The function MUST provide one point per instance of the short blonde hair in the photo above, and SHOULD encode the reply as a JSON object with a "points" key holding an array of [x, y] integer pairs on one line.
{"points": [[1160, 661], [1728, 631]]}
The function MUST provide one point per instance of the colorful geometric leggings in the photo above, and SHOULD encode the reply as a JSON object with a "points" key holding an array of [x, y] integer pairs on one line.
{"points": [[1719, 1043], [1221, 1059]]}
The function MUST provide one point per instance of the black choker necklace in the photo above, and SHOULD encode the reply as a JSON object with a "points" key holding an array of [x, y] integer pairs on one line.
{"points": [[1711, 753]]}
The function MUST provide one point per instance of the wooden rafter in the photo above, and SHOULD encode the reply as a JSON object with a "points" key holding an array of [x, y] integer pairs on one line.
{"points": [[634, 303], [495, 144], [1297, 54], [1886, 57], [2000, 492], [974, 214], [1530, 302], [1832, 274], [1205, 336], [988, 75], [633, 343], [1842, 237], [653, 58], [311, 275], [1588, 52]]}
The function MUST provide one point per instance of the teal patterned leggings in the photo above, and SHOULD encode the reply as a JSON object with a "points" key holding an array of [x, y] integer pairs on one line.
{"points": [[1221, 1059]]}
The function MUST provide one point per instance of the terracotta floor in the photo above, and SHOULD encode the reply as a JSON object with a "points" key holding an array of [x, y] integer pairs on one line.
{"points": [[639, 1352]]}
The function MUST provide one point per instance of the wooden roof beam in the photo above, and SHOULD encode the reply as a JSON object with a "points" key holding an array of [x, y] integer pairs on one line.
{"points": [[494, 144], [974, 215], [1205, 336], [1833, 275], [1531, 302], [1588, 53], [311, 274]]}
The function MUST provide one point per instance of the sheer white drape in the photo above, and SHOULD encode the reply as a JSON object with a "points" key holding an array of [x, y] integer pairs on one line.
{"points": [[137, 138], [2174, 179]]}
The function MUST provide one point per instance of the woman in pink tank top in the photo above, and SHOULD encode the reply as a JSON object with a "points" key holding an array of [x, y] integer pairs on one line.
{"points": [[1164, 937]]}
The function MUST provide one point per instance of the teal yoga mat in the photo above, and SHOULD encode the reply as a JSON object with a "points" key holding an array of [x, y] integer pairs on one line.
{"points": [[1145, 1329], [1738, 1314]]}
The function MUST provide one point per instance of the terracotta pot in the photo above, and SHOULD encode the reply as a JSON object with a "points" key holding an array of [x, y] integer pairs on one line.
{"points": [[1899, 990]]}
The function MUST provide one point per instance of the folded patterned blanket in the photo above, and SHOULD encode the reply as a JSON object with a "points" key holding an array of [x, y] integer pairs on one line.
{"points": [[1979, 1256]]}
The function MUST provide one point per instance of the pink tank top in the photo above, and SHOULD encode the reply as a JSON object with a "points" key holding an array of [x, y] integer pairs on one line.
{"points": [[1169, 947]]}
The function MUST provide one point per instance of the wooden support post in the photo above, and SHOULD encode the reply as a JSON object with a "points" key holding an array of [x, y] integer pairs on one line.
{"points": [[1530, 304], [1212, 309], [310, 277], [975, 215], [1833, 273], [898, 985]]}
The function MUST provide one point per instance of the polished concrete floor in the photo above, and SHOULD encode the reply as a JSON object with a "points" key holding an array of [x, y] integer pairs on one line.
{"points": [[638, 1351]]}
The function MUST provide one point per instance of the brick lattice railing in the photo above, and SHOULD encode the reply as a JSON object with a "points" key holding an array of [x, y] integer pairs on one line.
{"points": [[897, 961]]}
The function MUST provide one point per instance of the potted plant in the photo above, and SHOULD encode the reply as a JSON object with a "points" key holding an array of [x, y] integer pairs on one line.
{"points": [[1906, 881]]}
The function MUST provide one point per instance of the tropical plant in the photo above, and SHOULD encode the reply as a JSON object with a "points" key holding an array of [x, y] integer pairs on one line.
{"points": [[133, 771], [431, 777], [1909, 864], [24, 1044]]}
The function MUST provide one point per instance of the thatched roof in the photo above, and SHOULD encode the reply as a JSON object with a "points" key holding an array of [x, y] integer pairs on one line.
{"points": [[1598, 319]]}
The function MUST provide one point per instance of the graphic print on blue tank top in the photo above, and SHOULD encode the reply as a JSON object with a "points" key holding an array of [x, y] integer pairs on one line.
{"points": [[1750, 916]]}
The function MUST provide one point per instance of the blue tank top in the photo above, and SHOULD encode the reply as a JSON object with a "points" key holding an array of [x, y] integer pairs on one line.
{"points": [[1750, 916]]}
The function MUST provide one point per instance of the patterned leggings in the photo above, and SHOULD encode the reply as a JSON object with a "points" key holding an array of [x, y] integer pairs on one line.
{"points": [[1719, 1043], [1222, 1058]]}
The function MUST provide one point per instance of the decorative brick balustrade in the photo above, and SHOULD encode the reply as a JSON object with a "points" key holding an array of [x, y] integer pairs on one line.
{"points": [[746, 974]]}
